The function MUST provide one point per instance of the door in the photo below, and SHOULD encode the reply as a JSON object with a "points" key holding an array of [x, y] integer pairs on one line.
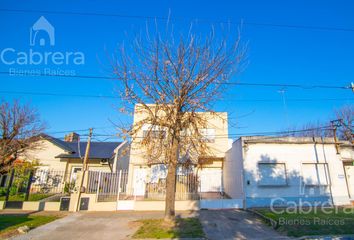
{"points": [[139, 181], [210, 180], [349, 171]]}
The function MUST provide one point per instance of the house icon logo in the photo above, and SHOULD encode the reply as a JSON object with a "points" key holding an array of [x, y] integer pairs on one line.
{"points": [[42, 26]]}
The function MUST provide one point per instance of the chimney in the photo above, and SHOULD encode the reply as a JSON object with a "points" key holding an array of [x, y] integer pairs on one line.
{"points": [[72, 137]]}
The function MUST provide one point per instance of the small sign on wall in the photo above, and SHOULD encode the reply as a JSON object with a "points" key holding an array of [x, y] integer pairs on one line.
{"points": [[341, 176]]}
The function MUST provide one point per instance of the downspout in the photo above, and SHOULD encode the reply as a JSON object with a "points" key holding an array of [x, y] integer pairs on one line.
{"points": [[329, 174], [243, 154]]}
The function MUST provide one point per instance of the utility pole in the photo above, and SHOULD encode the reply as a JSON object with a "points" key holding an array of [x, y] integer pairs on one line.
{"points": [[84, 169], [335, 124]]}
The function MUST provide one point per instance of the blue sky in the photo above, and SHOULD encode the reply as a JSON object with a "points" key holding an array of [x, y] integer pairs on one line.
{"points": [[276, 55]]}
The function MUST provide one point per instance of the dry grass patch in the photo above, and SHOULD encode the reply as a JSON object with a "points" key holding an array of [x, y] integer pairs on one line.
{"points": [[179, 228]]}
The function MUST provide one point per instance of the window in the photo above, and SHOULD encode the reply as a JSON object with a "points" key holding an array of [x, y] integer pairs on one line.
{"points": [[74, 172], [153, 131], [208, 134], [272, 174], [315, 174], [154, 134], [157, 172]]}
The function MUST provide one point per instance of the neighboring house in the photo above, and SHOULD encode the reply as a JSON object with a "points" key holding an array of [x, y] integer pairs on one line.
{"points": [[265, 171], [347, 156], [66, 157], [208, 170]]}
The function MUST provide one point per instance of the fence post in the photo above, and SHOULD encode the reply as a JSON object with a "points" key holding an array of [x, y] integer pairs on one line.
{"points": [[29, 182], [119, 181], [9, 185], [98, 185]]}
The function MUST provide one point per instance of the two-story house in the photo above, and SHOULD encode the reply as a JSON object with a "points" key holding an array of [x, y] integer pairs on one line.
{"points": [[206, 172]]}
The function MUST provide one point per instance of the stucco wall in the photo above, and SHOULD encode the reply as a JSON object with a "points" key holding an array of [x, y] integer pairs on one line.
{"points": [[293, 155], [218, 148], [45, 155], [233, 171]]}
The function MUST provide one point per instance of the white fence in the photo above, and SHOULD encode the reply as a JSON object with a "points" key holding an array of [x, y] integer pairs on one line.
{"points": [[107, 185], [110, 187]]}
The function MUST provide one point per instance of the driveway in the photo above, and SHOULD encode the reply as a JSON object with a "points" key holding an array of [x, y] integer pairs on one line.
{"points": [[235, 224], [91, 225], [217, 224]]}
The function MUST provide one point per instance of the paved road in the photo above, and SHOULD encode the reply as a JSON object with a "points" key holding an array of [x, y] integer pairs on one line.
{"points": [[235, 224]]}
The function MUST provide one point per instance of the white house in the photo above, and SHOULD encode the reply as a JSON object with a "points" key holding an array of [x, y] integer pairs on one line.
{"points": [[266, 171]]}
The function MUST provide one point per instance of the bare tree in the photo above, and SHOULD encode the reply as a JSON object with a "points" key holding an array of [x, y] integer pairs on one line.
{"points": [[20, 128], [313, 129], [171, 81], [346, 116]]}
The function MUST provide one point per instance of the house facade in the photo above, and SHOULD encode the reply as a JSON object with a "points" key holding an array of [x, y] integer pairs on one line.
{"points": [[206, 174], [271, 171], [64, 159]]}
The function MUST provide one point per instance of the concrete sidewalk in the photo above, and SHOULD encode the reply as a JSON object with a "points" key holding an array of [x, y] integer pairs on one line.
{"points": [[217, 224], [235, 224], [92, 225]]}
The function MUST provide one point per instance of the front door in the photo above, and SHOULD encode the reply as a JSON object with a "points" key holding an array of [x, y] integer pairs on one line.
{"points": [[210, 180], [349, 171], [139, 181]]}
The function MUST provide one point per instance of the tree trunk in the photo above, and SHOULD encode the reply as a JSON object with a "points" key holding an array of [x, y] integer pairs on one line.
{"points": [[171, 184]]}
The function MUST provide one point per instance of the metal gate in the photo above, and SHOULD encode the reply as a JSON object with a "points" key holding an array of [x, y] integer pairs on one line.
{"points": [[104, 184]]}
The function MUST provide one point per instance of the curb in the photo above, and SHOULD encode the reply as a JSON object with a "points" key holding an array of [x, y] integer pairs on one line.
{"points": [[328, 237]]}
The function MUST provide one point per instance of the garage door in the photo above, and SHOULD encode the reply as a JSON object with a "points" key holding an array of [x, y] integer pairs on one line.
{"points": [[210, 180]]}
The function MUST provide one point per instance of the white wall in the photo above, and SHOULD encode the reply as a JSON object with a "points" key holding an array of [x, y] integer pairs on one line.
{"points": [[233, 170], [293, 155]]}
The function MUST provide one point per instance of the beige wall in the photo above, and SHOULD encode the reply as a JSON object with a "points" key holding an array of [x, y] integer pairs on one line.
{"points": [[218, 121], [45, 155], [41, 206], [217, 149]]}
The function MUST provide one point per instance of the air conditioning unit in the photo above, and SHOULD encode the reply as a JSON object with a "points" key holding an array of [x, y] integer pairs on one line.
{"points": [[104, 162]]}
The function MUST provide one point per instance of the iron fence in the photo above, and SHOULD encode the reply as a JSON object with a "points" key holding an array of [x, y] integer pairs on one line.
{"points": [[33, 185], [49, 181]]}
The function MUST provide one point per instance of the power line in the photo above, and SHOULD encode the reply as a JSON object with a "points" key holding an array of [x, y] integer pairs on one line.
{"points": [[289, 85], [117, 97], [349, 87], [146, 17], [58, 94], [290, 100], [245, 134], [80, 130]]}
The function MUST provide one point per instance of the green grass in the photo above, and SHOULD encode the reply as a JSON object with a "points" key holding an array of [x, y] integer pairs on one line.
{"points": [[316, 222], [10, 223], [32, 197], [180, 228]]}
